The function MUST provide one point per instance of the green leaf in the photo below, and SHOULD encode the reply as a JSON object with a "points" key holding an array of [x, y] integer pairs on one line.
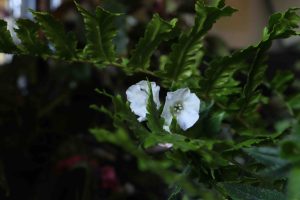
{"points": [[218, 77], [154, 121], [276, 172], [157, 31], [145, 162], [27, 32], [294, 102], [293, 192], [211, 125], [266, 155], [123, 116], [246, 144], [281, 80], [248, 192], [64, 43], [6, 42], [100, 31], [255, 77], [282, 25], [187, 53], [179, 142]]}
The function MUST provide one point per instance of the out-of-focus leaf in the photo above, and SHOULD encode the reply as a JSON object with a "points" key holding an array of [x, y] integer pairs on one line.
{"points": [[281, 80], [248, 192], [266, 155], [64, 44], [179, 142], [294, 102], [3, 183], [6, 42], [293, 192], [27, 32]]}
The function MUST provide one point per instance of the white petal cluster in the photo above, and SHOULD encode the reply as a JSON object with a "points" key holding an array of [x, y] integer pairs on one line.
{"points": [[138, 94], [181, 104]]}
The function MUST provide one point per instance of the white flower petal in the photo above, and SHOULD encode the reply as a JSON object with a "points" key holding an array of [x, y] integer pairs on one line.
{"points": [[192, 102], [138, 94], [182, 104], [187, 119], [165, 145]]}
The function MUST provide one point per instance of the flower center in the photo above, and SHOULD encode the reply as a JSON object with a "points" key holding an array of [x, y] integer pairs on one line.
{"points": [[177, 107]]}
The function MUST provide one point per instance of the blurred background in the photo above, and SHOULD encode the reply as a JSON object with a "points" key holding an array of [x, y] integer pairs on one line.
{"points": [[46, 151]]}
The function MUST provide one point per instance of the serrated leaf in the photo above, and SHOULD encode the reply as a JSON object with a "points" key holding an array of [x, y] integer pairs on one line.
{"points": [[6, 42], [156, 32], [100, 31], [27, 32], [187, 53], [218, 78], [248, 192], [64, 44], [280, 26], [254, 78]]}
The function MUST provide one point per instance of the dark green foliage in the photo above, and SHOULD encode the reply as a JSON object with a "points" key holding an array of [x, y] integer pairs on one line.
{"points": [[248, 192], [157, 31], [27, 32], [233, 150], [186, 54], [155, 122], [6, 43], [64, 44], [100, 32]]}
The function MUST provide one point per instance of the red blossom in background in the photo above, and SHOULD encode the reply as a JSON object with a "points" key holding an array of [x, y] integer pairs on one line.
{"points": [[106, 175]]}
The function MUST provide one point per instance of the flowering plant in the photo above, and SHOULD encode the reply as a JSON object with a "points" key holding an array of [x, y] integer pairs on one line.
{"points": [[213, 139]]}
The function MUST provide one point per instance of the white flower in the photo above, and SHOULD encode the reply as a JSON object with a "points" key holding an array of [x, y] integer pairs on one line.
{"points": [[138, 94], [184, 106]]}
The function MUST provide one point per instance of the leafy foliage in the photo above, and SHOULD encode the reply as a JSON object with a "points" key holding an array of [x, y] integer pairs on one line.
{"points": [[232, 147], [187, 53], [28, 32], [100, 32], [247, 192], [64, 43], [219, 76], [157, 31], [6, 43]]}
